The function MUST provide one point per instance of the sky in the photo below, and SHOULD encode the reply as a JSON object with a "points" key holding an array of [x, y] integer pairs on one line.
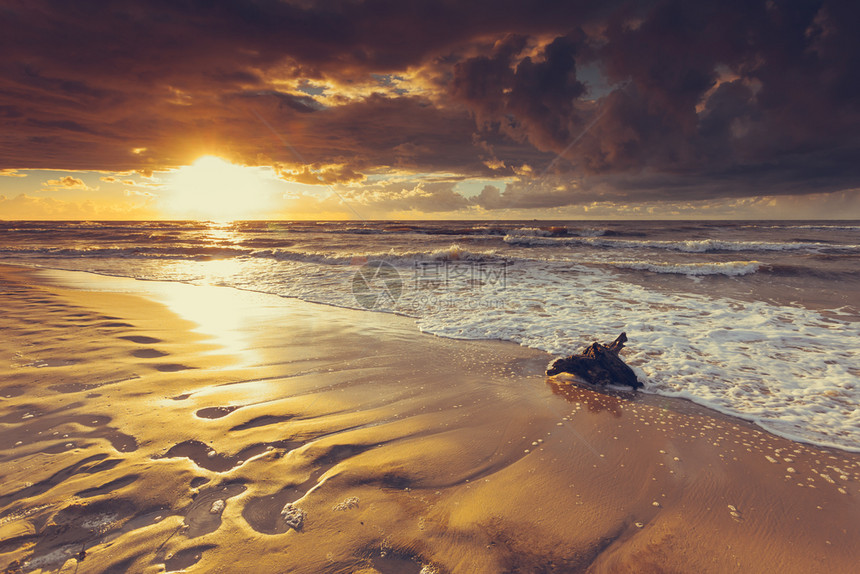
{"points": [[377, 109]]}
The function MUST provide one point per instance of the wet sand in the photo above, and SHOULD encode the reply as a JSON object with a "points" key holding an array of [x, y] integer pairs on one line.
{"points": [[151, 427]]}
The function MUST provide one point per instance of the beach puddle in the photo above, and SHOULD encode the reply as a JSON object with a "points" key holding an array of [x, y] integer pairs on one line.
{"points": [[206, 457], [148, 354], [391, 563], [213, 412], [13, 391], [204, 513], [265, 513], [171, 368], [185, 558], [141, 339]]}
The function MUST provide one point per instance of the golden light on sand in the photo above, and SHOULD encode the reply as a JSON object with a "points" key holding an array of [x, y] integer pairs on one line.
{"points": [[215, 313], [214, 189]]}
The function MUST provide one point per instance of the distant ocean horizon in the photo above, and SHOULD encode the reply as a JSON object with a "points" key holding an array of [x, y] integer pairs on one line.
{"points": [[757, 319]]}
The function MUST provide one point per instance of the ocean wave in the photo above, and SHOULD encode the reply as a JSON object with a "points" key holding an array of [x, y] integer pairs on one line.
{"points": [[816, 227], [527, 232], [193, 253], [401, 229], [266, 242], [561, 231], [596, 232], [730, 268], [448, 229], [452, 253], [689, 246]]}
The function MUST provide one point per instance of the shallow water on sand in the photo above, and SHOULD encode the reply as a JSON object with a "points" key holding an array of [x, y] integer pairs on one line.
{"points": [[295, 437]]}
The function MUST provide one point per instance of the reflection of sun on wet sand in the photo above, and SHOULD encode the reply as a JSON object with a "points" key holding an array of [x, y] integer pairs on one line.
{"points": [[303, 438]]}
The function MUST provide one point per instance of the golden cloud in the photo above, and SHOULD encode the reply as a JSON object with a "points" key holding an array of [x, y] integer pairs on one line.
{"points": [[67, 182], [317, 174]]}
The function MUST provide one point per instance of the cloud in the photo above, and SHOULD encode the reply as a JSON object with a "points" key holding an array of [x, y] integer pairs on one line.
{"points": [[11, 173], [657, 100], [401, 201], [66, 182], [533, 194], [317, 174], [525, 97], [489, 198], [25, 206], [388, 197], [114, 179]]}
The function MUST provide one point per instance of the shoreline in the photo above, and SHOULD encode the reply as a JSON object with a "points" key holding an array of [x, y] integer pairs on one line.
{"points": [[405, 451], [60, 276]]}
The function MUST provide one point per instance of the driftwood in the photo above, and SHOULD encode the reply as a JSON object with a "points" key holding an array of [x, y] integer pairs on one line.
{"points": [[598, 364]]}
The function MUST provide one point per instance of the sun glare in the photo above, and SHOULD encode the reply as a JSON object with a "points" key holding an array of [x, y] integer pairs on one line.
{"points": [[212, 188]]}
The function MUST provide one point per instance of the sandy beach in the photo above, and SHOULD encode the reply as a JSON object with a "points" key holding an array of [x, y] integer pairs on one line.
{"points": [[152, 427]]}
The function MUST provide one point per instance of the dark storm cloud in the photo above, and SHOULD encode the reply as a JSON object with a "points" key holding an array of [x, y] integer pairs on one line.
{"points": [[727, 98], [712, 98], [526, 99], [403, 133]]}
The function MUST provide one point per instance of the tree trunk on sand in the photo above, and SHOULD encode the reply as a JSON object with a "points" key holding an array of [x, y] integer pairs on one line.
{"points": [[598, 364]]}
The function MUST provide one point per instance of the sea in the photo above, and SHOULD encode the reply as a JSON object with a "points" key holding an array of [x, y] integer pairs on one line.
{"points": [[756, 319]]}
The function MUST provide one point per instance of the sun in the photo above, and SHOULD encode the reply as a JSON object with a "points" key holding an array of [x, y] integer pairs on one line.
{"points": [[214, 189]]}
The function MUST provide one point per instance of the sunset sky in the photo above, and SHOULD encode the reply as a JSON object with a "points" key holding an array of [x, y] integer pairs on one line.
{"points": [[289, 109]]}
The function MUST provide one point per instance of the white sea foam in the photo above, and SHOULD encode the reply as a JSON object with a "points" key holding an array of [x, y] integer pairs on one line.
{"points": [[526, 232], [786, 368], [730, 268], [591, 232]]}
